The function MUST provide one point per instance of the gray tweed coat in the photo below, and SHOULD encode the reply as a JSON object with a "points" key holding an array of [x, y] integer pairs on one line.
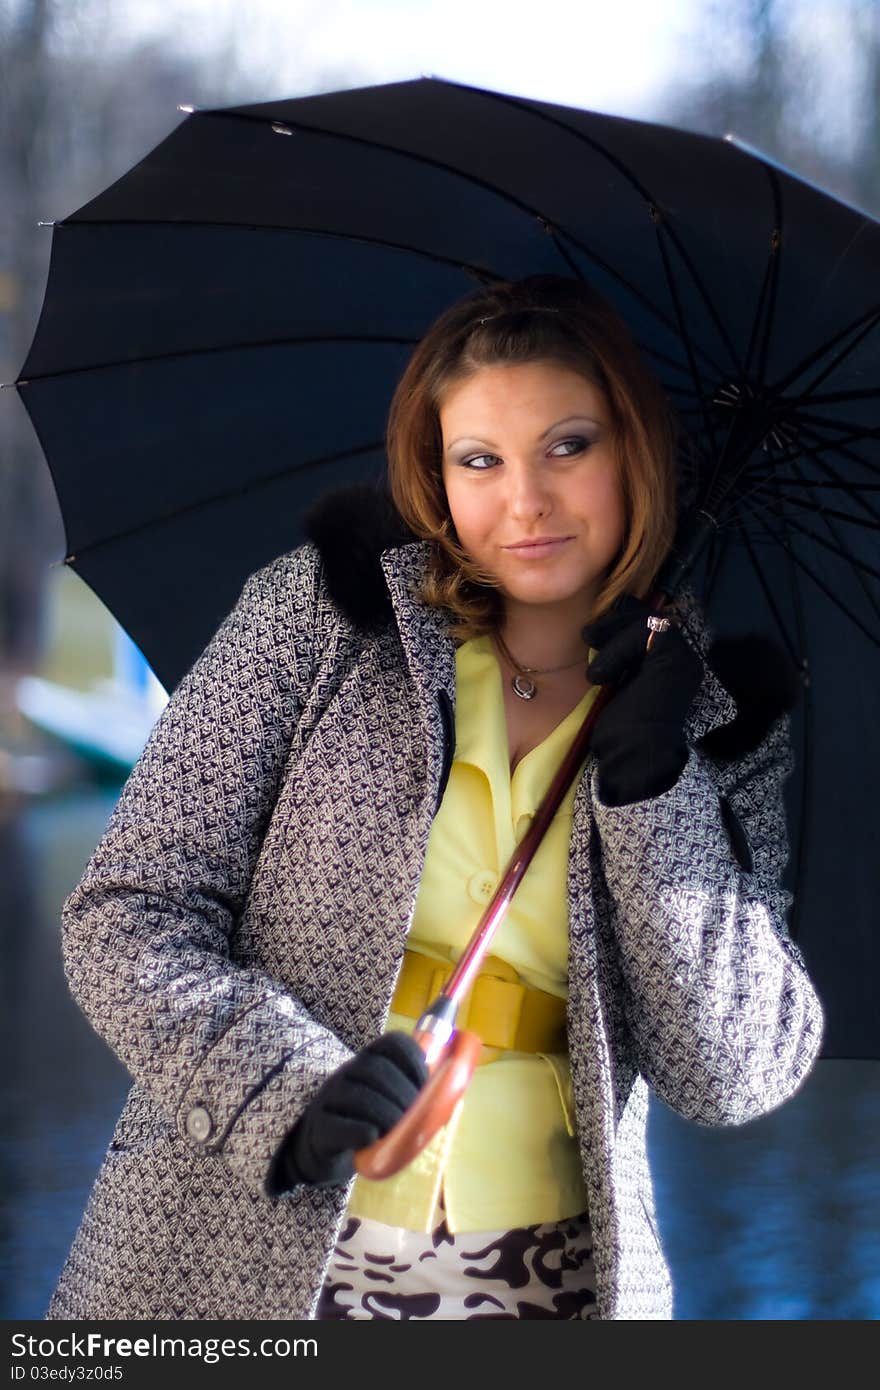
{"points": [[237, 934]]}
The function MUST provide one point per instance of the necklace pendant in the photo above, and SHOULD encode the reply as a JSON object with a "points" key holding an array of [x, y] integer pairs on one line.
{"points": [[524, 688]]}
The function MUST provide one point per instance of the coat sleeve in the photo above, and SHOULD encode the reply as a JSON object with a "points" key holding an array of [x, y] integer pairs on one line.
{"points": [[227, 1053], [725, 1019]]}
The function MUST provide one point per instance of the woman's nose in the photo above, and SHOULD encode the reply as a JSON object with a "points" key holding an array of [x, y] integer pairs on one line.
{"points": [[528, 495]]}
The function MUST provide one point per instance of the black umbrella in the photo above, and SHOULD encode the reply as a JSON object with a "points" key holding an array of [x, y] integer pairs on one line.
{"points": [[224, 327]]}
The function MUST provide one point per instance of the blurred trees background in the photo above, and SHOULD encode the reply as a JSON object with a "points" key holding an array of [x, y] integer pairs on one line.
{"points": [[79, 104], [799, 79], [81, 100]]}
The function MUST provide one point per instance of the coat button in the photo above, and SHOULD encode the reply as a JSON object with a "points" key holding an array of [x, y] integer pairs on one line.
{"points": [[482, 885], [199, 1124]]}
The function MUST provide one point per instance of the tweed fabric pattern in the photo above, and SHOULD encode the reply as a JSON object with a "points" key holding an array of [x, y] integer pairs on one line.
{"points": [[238, 932]]}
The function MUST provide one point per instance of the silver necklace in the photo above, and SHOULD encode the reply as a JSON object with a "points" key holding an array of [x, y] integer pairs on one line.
{"points": [[522, 686]]}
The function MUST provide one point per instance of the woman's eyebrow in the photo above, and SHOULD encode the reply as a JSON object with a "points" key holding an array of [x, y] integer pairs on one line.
{"points": [[568, 420]]}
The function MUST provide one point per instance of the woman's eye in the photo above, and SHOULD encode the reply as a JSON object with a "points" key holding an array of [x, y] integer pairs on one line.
{"points": [[577, 441], [477, 462]]}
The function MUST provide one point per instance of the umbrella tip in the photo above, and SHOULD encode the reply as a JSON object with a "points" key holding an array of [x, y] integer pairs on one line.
{"points": [[188, 109]]}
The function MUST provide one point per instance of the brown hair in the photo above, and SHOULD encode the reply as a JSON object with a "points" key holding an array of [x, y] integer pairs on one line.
{"points": [[540, 318]]}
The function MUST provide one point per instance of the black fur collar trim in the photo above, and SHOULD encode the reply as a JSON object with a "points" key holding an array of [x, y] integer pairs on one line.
{"points": [[351, 527]]}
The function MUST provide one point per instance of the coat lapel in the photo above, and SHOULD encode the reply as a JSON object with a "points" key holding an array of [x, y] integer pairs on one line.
{"points": [[427, 646], [429, 652]]}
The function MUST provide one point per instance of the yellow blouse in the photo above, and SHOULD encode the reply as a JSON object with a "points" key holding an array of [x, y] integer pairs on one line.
{"points": [[508, 1156]]}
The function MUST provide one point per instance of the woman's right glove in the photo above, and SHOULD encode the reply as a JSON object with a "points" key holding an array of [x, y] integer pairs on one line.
{"points": [[357, 1104], [639, 738]]}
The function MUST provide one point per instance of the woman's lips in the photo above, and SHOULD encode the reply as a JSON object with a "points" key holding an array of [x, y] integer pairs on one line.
{"points": [[536, 550]]}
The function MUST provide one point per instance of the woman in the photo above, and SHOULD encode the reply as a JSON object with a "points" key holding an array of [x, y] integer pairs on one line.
{"points": [[377, 715]]}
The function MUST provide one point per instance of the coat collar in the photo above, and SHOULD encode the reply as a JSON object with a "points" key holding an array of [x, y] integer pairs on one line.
{"points": [[430, 652]]}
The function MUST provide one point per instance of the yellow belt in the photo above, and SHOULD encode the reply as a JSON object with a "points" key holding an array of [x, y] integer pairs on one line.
{"points": [[502, 1010]]}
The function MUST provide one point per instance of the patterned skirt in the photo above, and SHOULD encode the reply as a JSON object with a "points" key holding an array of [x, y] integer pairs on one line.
{"points": [[379, 1271]]}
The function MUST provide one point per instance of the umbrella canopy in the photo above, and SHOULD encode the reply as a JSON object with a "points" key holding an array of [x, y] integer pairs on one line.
{"points": [[225, 325]]}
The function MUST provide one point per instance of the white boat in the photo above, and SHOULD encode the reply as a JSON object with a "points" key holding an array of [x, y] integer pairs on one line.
{"points": [[108, 725]]}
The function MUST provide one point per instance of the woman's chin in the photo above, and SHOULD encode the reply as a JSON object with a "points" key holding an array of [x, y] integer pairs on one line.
{"points": [[548, 595]]}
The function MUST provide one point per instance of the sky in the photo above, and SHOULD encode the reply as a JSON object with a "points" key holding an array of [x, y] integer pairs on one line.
{"points": [[603, 55]]}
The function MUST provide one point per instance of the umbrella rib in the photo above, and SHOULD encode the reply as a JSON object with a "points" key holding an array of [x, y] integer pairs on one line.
{"points": [[218, 350], [762, 322], [802, 665], [653, 352], [711, 567], [663, 226], [702, 403], [855, 431], [870, 318], [800, 483], [802, 662], [807, 762], [807, 733], [653, 204], [793, 500], [805, 531], [826, 516], [762, 316], [253, 485], [868, 393], [753, 503], [773, 267], [718, 546], [841, 446], [813, 451], [215, 348], [480, 273], [853, 491], [563, 252], [578, 273], [836, 423], [768, 595], [479, 182], [823, 483]]}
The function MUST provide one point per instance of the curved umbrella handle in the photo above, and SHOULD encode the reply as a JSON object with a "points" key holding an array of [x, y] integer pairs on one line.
{"points": [[447, 1083]]}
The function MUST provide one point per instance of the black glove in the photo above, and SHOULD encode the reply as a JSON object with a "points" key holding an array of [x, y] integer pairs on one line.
{"points": [[356, 1105], [638, 739]]}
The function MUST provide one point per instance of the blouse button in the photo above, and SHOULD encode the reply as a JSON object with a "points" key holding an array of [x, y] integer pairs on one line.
{"points": [[482, 885]]}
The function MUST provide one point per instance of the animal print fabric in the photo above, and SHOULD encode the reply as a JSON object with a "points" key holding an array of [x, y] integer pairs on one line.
{"points": [[386, 1272]]}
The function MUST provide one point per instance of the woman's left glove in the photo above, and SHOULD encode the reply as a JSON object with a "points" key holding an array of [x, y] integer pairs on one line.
{"points": [[357, 1104], [638, 739]]}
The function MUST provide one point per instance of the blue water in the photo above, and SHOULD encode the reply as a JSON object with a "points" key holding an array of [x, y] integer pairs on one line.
{"points": [[777, 1219]]}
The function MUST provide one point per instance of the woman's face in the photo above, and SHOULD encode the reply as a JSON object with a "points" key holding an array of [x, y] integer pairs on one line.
{"points": [[531, 480]]}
